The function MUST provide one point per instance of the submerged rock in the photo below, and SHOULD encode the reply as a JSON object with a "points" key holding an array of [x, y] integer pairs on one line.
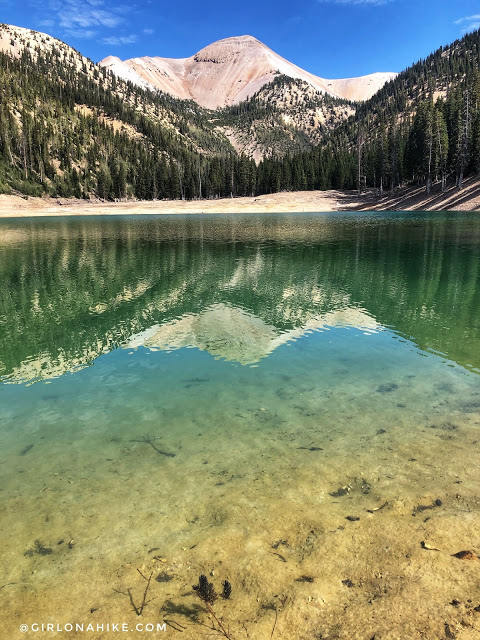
{"points": [[387, 387], [465, 555], [342, 491], [348, 583]]}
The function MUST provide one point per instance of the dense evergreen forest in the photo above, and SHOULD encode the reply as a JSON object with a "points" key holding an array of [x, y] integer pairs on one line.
{"points": [[422, 127], [69, 128], [70, 131]]}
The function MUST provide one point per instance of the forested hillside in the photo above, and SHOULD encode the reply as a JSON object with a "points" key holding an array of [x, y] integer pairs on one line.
{"points": [[286, 116], [422, 127], [70, 128], [67, 128]]}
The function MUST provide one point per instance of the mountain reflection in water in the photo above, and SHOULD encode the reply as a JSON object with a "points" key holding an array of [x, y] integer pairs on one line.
{"points": [[235, 286]]}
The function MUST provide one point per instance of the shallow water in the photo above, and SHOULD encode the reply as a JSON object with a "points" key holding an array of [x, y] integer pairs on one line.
{"points": [[198, 394]]}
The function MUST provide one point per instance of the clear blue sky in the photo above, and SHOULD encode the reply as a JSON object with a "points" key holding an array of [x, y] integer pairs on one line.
{"points": [[331, 38]]}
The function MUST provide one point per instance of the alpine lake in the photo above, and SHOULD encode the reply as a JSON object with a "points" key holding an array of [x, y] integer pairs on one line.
{"points": [[289, 402]]}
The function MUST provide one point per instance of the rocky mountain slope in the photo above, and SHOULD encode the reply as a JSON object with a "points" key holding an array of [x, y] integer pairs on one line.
{"points": [[285, 116], [231, 70], [289, 111], [69, 127], [179, 119], [270, 107]]}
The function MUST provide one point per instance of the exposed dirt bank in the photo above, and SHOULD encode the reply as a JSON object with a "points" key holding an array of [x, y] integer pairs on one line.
{"points": [[407, 199]]}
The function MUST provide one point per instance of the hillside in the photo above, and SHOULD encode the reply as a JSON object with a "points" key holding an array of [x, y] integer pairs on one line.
{"points": [[286, 116], [41, 50], [230, 71], [69, 127], [421, 128]]}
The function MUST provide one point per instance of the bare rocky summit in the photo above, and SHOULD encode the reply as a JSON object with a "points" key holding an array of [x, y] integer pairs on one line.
{"points": [[231, 70]]}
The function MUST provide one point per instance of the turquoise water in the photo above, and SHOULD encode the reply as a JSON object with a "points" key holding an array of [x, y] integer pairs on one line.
{"points": [[226, 390]]}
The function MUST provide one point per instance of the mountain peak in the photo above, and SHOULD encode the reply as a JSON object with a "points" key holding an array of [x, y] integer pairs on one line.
{"points": [[245, 40], [227, 49], [228, 71]]}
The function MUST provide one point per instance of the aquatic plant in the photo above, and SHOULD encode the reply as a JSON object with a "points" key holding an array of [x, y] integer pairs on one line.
{"points": [[206, 592], [40, 548], [283, 600], [227, 590]]}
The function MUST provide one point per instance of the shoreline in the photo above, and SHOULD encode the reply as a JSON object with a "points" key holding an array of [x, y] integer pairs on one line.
{"points": [[402, 199], [285, 202]]}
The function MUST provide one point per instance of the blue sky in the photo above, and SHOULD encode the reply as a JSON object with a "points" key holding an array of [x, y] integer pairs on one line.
{"points": [[331, 38]]}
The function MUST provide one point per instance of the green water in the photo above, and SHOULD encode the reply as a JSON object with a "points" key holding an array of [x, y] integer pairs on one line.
{"points": [[273, 359]]}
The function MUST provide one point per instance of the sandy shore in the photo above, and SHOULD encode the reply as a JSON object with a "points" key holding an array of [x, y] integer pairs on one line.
{"points": [[302, 201], [405, 199]]}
